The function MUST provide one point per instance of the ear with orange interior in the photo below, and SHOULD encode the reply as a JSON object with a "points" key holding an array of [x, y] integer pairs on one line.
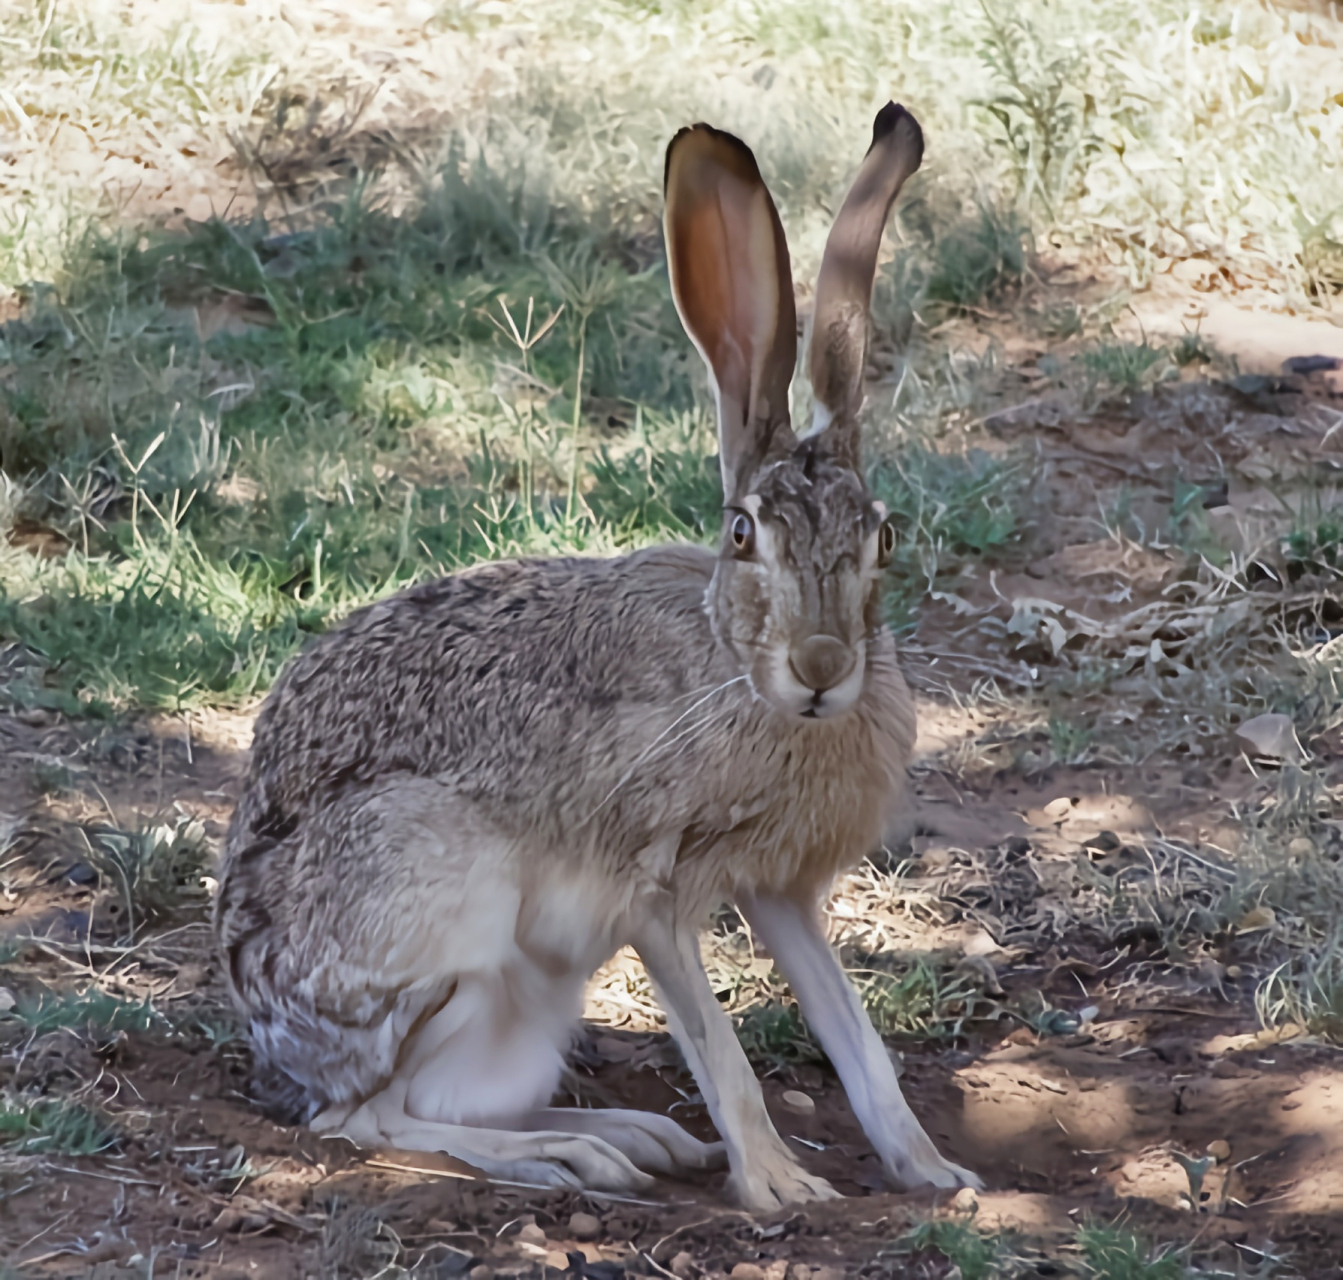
{"points": [[734, 291]]}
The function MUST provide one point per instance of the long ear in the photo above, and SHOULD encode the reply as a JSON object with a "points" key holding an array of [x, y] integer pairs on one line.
{"points": [[734, 291], [844, 287]]}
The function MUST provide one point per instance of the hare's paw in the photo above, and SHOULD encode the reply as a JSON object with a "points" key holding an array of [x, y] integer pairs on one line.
{"points": [[576, 1160], [654, 1142], [926, 1168], [774, 1182]]}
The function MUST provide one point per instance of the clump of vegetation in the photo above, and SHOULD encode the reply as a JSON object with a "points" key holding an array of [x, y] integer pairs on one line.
{"points": [[974, 1252], [1114, 1253], [158, 871], [92, 1010], [52, 1126]]}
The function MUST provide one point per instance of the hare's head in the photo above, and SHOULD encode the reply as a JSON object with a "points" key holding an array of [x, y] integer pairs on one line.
{"points": [[797, 589]]}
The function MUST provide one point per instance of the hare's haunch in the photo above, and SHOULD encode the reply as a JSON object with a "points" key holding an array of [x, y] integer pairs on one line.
{"points": [[465, 799]]}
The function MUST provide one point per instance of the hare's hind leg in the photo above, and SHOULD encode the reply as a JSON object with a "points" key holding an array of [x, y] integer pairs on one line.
{"points": [[653, 1142], [468, 1083], [541, 1157]]}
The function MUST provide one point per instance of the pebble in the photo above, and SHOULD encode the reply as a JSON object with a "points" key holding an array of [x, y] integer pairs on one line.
{"points": [[481, 1272], [583, 1226], [530, 1233], [965, 1200], [683, 1265], [747, 1271], [827, 1273], [1271, 737], [1220, 1150], [7, 1000], [798, 1103]]}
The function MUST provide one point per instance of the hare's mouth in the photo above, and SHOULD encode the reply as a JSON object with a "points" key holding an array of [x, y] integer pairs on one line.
{"points": [[803, 699]]}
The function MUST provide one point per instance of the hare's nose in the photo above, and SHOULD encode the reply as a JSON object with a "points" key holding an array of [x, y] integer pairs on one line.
{"points": [[821, 662]]}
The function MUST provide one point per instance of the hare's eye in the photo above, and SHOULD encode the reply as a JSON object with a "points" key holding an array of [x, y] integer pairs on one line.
{"points": [[885, 543], [743, 534]]}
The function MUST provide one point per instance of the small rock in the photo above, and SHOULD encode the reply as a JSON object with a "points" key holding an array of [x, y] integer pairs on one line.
{"points": [[1220, 1150], [1255, 919], [1058, 808], [1015, 848], [530, 1233], [7, 1000], [683, 1265], [583, 1226], [747, 1271], [1301, 847], [1233, 971], [1306, 365], [799, 1271], [777, 1270], [557, 1260], [1103, 841], [935, 858], [1271, 737], [797, 1102], [965, 1200], [481, 1272], [827, 1273]]}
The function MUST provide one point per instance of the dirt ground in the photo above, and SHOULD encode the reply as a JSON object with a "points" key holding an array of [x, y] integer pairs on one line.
{"points": [[1153, 1059]]}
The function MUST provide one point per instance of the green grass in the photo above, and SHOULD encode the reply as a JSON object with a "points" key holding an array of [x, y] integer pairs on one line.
{"points": [[52, 1126], [465, 347], [398, 397], [1097, 1252], [960, 1243], [91, 1010], [1114, 1253], [157, 871], [918, 999]]}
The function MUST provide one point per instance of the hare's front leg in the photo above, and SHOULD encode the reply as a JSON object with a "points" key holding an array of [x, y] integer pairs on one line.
{"points": [[765, 1174], [792, 931]]}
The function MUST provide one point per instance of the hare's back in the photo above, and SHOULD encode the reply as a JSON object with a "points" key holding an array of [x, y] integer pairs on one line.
{"points": [[482, 680]]}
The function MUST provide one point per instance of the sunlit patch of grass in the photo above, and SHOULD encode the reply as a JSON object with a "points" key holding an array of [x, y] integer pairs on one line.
{"points": [[922, 999]]}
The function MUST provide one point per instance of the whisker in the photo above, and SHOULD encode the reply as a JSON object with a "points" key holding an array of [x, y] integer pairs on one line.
{"points": [[652, 746]]}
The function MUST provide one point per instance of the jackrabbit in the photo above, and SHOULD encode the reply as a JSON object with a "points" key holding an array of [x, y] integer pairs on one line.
{"points": [[470, 795]]}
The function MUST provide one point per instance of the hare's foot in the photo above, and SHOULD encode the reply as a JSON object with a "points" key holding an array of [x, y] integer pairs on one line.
{"points": [[918, 1163], [543, 1157], [771, 1179], [653, 1142]]}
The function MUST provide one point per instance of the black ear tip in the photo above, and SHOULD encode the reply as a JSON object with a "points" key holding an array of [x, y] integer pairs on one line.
{"points": [[681, 134], [893, 117], [731, 150]]}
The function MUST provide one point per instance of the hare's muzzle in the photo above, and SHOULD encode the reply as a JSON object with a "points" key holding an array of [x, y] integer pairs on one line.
{"points": [[821, 662]]}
